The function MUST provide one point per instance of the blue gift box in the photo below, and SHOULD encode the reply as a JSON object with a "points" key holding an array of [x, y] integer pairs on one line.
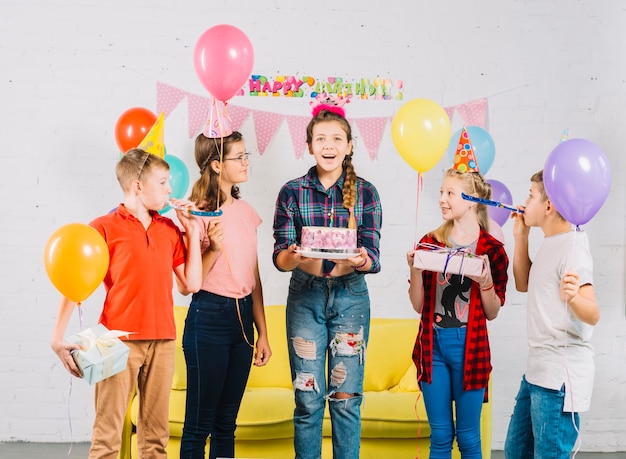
{"points": [[102, 353]]}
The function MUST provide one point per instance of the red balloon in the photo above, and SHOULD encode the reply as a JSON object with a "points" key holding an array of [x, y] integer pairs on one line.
{"points": [[223, 59], [132, 127]]}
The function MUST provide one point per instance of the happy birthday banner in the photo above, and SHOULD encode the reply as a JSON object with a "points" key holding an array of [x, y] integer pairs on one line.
{"points": [[266, 123], [291, 86]]}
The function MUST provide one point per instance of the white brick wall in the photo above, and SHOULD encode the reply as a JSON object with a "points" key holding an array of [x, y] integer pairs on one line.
{"points": [[68, 69]]}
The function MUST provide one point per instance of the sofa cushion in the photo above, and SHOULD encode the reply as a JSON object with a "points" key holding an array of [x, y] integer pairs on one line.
{"points": [[264, 412], [388, 352], [408, 383], [393, 415]]}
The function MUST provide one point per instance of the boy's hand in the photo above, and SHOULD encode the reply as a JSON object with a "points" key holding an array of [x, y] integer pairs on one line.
{"points": [[186, 219], [569, 286], [63, 350], [520, 228]]}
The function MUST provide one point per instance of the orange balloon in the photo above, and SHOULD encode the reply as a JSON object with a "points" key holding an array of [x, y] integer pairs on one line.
{"points": [[76, 260], [132, 127]]}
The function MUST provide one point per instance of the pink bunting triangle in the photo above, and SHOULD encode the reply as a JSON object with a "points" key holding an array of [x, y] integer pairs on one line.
{"points": [[449, 112], [474, 113], [265, 124], [371, 130], [168, 98], [197, 113], [297, 130], [237, 116]]}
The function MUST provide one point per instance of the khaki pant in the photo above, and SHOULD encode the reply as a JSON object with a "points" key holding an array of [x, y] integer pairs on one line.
{"points": [[150, 369]]}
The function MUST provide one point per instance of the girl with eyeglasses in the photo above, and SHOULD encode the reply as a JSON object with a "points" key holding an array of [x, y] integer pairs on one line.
{"points": [[218, 341]]}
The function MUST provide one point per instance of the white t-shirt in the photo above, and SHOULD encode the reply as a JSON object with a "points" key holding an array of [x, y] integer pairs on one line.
{"points": [[560, 351]]}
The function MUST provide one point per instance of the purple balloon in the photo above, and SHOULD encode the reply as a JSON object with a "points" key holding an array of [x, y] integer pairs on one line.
{"points": [[577, 179], [500, 193]]}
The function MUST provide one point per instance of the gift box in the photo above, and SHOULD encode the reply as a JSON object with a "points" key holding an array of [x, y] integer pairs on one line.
{"points": [[101, 354], [448, 261]]}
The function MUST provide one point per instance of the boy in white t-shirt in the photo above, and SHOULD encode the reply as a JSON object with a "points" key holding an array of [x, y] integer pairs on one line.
{"points": [[562, 310]]}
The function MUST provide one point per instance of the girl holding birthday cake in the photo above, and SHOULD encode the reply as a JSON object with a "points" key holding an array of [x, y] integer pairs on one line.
{"points": [[328, 306]]}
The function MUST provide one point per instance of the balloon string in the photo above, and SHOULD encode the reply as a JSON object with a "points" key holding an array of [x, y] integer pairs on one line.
{"points": [[417, 204], [80, 317], [69, 418], [571, 389]]}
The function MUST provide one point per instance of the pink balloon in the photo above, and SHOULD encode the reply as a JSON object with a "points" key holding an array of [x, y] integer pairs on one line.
{"points": [[223, 59], [496, 230]]}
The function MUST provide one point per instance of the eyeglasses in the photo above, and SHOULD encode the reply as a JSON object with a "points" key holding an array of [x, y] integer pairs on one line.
{"points": [[245, 158]]}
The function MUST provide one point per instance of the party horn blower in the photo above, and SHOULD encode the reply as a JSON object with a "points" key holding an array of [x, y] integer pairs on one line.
{"points": [[489, 202]]}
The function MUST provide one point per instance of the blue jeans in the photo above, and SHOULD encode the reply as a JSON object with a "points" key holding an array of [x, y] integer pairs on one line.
{"points": [[218, 364], [539, 427], [327, 317], [447, 386]]}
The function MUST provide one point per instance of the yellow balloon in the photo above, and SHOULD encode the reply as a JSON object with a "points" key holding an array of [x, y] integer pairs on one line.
{"points": [[420, 131], [76, 258]]}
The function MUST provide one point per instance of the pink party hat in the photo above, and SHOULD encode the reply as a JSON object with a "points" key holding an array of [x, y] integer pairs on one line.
{"points": [[153, 141], [464, 158], [218, 124]]}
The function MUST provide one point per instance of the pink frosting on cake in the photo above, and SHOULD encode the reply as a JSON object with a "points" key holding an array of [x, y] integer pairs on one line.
{"points": [[328, 239]]}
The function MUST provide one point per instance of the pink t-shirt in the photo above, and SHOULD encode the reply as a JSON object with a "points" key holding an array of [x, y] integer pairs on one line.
{"points": [[232, 275]]}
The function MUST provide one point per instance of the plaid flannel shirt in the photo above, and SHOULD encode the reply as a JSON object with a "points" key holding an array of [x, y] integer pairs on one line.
{"points": [[304, 202], [477, 365]]}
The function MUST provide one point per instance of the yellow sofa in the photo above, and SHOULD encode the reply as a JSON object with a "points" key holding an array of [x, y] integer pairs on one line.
{"points": [[394, 422]]}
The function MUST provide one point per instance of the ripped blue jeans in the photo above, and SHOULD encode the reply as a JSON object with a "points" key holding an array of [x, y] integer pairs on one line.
{"points": [[327, 324]]}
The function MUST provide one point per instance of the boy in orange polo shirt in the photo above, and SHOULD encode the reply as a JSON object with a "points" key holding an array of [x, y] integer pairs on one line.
{"points": [[144, 249]]}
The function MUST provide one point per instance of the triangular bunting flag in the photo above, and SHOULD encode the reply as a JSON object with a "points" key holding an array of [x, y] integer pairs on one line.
{"points": [[197, 113], [371, 130], [265, 125], [168, 98], [297, 130], [450, 112], [474, 113], [153, 141], [237, 116]]}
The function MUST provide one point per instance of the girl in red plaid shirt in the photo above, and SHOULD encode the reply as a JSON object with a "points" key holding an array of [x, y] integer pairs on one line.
{"points": [[452, 348]]}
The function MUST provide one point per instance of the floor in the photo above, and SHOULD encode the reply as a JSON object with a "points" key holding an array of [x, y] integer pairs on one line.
{"points": [[21, 450]]}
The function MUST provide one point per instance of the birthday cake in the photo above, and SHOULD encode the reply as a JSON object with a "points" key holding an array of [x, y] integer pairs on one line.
{"points": [[321, 239]]}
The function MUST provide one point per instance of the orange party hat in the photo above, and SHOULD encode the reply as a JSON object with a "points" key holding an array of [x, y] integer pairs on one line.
{"points": [[218, 124], [153, 141], [464, 158]]}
